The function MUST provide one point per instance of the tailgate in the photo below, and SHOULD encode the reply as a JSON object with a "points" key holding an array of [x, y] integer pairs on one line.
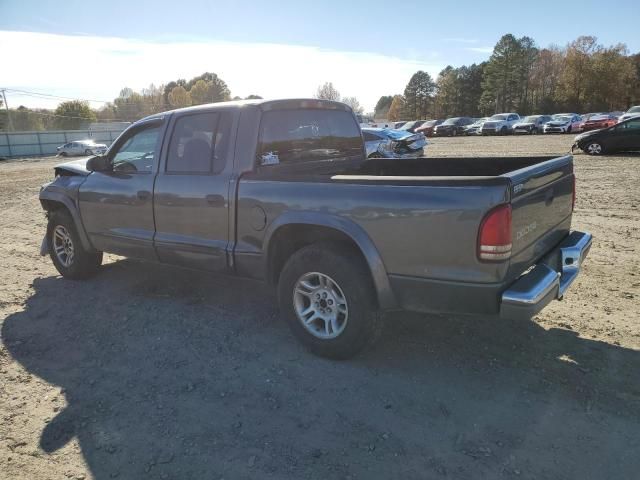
{"points": [[542, 203]]}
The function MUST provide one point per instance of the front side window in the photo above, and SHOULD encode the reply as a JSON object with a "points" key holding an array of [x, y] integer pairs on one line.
{"points": [[632, 125], [137, 152], [291, 136], [198, 144]]}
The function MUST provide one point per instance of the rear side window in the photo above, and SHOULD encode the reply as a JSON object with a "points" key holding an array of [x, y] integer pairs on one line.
{"points": [[291, 136], [198, 144]]}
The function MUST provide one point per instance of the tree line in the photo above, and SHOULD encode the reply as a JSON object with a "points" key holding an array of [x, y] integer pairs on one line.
{"points": [[521, 77], [129, 106]]}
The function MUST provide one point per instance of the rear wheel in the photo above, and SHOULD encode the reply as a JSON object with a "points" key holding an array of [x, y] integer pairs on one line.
{"points": [[503, 131], [65, 248], [594, 148], [326, 297]]}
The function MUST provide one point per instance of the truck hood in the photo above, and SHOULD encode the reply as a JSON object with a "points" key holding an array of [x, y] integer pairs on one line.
{"points": [[76, 167]]}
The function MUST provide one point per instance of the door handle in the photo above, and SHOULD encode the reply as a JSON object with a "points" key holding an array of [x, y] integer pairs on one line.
{"points": [[143, 195], [215, 199]]}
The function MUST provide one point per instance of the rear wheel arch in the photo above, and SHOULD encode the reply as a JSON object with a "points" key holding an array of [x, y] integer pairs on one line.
{"points": [[288, 238]]}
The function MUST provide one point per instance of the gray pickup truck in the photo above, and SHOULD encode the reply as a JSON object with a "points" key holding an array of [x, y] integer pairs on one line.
{"points": [[281, 191]]}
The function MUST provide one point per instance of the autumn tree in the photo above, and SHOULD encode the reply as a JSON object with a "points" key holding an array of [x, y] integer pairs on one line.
{"points": [[73, 115], [381, 109], [396, 109], [179, 97], [577, 68], [543, 79], [328, 92]]}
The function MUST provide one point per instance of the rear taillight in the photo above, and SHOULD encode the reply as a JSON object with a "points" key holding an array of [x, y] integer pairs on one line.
{"points": [[494, 238], [573, 195]]}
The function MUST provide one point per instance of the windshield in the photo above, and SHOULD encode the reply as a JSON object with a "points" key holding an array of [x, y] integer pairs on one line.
{"points": [[451, 121], [634, 109], [531, 119], [599, 117], [562, 118], [499, 116]]}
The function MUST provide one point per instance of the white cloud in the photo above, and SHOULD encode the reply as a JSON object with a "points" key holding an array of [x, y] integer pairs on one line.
{"points": [[480, 49], [461, 40], [98, 67]]}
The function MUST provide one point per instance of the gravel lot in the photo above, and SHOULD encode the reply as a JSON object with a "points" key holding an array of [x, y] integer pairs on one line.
{"points": [[153, 372]]}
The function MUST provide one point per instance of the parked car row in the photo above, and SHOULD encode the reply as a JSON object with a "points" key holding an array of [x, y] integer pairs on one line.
{"points": [[512, 123]]}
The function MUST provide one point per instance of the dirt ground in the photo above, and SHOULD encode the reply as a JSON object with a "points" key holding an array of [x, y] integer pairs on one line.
{"points": [[152, 372]]}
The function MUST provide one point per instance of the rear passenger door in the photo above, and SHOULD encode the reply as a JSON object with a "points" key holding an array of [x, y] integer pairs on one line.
{"points": [[191, 191]]}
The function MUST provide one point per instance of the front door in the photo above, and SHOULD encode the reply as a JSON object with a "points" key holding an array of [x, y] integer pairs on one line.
{"points": [[192, 191], [116, 206]]}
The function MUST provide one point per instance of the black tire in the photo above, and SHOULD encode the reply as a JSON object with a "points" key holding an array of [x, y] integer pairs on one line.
{"points": [[63, 154], [594, 148], [503, 131], [569, 129], [343, 265], [88, 152], [83, 263], [454, 133]]}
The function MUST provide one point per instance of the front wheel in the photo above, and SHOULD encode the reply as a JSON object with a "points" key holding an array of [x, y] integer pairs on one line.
{"points": [[65, 248], [594, 148], [503, 131], [326, 297], [88, 152]]}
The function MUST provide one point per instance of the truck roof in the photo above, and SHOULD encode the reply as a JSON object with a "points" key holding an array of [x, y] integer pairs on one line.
{"points": [[279, 104]]}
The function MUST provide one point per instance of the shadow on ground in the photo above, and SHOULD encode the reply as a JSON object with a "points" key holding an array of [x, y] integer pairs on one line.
{"points": [[173, 374]]}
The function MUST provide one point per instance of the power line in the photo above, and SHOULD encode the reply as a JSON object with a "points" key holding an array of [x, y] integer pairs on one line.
{"points": [[48, 95], [40, 94]]}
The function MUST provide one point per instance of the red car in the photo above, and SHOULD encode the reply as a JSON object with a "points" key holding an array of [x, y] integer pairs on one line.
{"points": [[599, 121], [427, 127]]}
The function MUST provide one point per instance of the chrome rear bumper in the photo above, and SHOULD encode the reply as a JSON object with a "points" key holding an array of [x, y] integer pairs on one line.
{"points": [[548, 280]]}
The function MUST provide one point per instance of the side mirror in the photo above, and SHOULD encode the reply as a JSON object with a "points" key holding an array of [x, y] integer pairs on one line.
{"points": [[99, 163]]}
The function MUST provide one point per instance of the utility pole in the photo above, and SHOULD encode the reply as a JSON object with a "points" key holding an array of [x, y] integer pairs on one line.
{"points": [[6, 106]]}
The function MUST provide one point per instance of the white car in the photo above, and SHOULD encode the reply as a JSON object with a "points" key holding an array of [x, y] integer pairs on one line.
{"points": [[81, 147], [563, 123], [500, 124], [632, 112]]}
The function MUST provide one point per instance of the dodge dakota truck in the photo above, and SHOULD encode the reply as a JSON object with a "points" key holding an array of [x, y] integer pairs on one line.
{"points": [[282, 191]]}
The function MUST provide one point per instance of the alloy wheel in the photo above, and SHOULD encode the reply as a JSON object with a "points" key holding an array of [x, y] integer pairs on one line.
{"points": [[63, 246], [320, 305]]}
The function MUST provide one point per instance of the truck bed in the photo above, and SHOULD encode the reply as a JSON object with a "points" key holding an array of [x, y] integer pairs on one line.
{"points": [[448, 167]]}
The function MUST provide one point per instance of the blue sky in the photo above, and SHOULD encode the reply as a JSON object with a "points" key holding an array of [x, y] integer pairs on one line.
{"points": [[367, 48]]}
